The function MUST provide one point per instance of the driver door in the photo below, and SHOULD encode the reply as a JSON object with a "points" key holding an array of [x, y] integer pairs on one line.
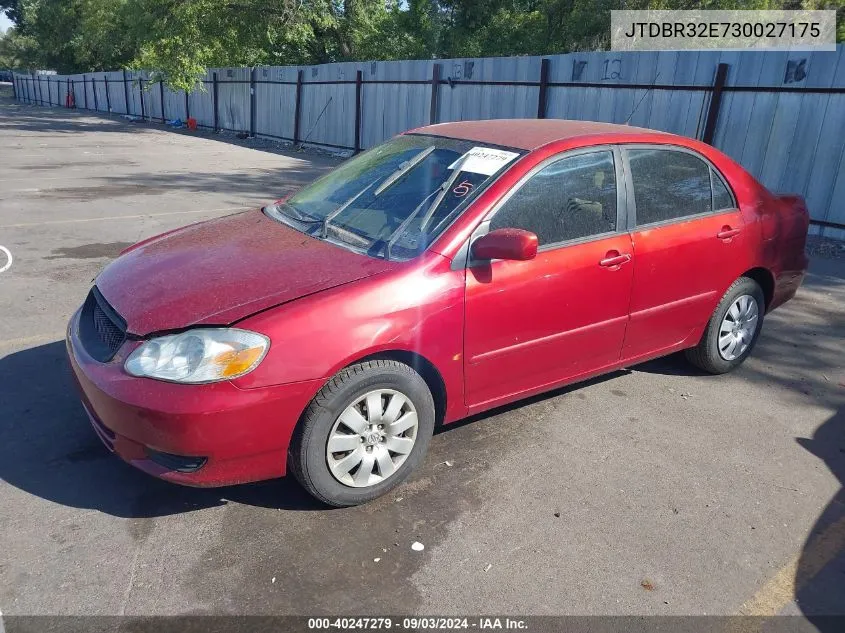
{"points": [[533, 324]]}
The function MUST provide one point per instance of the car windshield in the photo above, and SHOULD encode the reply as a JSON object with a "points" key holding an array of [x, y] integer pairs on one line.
{"points": [[395, 199]]}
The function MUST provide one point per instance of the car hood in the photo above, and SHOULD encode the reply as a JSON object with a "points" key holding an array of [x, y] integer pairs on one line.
{"points": [[223, 270]]}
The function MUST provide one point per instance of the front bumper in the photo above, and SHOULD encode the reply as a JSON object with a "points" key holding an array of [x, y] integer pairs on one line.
{"points": [[242, 434]]}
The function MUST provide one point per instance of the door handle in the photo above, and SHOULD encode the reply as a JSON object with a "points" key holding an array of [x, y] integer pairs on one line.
{"points": [[727, 233], [614, 259]]}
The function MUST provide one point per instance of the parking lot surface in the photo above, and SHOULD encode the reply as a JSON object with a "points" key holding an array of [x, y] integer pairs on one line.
{"points": [[656, 490]]}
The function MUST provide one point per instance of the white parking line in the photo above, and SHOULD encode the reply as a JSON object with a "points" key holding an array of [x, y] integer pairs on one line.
{"points": [[122, 217]]}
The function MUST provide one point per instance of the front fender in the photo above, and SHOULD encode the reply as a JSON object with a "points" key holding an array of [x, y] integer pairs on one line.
{"points": [[418, 308]]}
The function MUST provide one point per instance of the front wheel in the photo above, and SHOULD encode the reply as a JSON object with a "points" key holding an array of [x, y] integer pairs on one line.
{"points": [[365, 431], [732, 330]]}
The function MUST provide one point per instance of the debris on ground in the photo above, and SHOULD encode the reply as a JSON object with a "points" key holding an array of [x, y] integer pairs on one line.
{"points": [[686, 396], [486, 569], [447, 463], [557, 515], [417, 546], [375, 560], [273, 580], [647, 584], [825, 247]]}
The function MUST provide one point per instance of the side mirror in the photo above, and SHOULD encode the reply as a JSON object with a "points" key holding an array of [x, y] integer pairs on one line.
{"points": [[513, 244]]}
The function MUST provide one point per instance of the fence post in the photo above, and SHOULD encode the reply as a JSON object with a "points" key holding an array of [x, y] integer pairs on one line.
{"points": [[297, 106], [715, 103], [73, 92], [187, 108], [49, 93], [544, 86], [252, 102], [85, 90], [108, 97], [161, 97], [359, 78], [94, 92], [125, 91], [435, 91], [141, 92], [40, 91], [216, 109]]}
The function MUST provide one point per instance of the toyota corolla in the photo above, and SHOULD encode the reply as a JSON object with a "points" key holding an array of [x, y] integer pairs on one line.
{"points": [[452, 269]]}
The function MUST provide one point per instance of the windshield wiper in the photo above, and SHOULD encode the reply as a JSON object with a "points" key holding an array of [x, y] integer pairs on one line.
{"points": [[331, 216], [300, 215], [403, 169], [441, 192]]}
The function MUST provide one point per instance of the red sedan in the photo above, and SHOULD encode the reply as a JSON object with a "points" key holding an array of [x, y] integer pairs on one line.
{"points": [[453, 269]]}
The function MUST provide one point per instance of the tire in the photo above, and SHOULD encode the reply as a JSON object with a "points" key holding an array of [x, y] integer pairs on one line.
{"points": [[707, 354], [309, 457]]}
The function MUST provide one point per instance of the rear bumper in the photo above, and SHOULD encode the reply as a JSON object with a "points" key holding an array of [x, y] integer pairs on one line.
{"points": [[241, 434]]}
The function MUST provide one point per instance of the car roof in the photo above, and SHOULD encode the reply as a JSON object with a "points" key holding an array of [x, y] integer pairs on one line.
{"points": [[529, 134]]}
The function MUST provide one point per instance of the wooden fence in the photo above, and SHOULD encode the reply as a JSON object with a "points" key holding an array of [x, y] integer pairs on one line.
{"points": [[780, 114]]}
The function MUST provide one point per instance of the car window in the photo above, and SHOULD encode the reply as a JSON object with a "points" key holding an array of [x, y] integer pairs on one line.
{"points": [[395, 199], [572, 198], [722, 198], [668, 184]]}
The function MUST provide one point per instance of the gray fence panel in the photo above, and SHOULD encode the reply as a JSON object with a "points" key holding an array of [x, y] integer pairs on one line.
{"points": [[78, 89], [461, 102], [152, 99], [117, 95], [275, 103], [827, 165], [134, 87], [388, 109], [98, 87], [328, 110], [174, 104], [837, 195], [233, 98], [201, 103], [791, 140]]}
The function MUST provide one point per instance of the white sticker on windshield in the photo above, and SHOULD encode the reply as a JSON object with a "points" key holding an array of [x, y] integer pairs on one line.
{"points": [[485, 160]]}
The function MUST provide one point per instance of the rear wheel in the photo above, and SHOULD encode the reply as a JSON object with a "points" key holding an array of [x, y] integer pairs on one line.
{"points": [[365, 431], [732, 330]]}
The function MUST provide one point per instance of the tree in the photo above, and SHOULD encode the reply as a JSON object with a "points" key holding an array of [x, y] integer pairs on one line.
{"points": [[180, 39]]}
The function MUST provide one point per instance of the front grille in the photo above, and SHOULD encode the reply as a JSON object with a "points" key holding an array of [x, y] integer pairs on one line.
{"points": [[101, 330]]}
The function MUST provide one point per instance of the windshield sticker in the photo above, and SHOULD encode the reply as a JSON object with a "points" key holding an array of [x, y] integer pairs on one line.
{"points": [[485, 160]]}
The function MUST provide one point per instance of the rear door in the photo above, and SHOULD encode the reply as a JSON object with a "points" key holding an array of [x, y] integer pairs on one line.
{"points": [[689, 245], [531, 324]]}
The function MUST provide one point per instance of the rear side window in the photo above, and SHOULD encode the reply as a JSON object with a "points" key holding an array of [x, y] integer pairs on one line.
{"points": [[669, 185], [722, 198], [570, 199]]}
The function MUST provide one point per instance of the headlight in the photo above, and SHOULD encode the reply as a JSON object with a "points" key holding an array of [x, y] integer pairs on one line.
{"points": [[201, 355]]}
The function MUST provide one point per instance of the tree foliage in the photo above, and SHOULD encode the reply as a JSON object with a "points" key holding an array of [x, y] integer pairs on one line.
{"points": [[181, 38]]}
